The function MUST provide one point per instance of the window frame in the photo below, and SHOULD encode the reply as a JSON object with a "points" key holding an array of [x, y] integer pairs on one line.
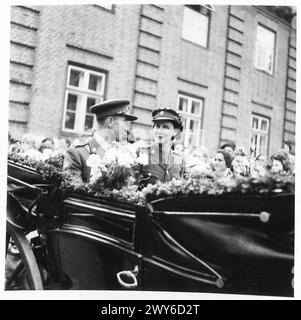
{"points": [[83, 92], [259, 133], [190, 116], [209, 10], [265, 70]]}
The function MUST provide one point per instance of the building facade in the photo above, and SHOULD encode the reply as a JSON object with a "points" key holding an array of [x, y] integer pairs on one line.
{"points": [[229, 70]]}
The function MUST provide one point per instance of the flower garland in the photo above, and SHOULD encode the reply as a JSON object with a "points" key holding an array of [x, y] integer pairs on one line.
{"points": [[269, 184], [110, 179], [49, 168]]}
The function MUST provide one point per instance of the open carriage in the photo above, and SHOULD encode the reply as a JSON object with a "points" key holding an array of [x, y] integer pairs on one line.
{"points": [[230, 243]]}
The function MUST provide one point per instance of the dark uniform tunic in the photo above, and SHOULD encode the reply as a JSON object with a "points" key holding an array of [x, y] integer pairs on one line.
{"points": [[75, 161], [157, 170]]}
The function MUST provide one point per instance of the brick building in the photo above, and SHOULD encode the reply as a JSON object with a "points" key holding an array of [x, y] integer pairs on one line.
{"points": [[229, 70]]}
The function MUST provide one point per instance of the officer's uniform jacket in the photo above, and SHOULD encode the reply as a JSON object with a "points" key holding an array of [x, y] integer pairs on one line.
{"points": [[75, 161], [161, 169]]}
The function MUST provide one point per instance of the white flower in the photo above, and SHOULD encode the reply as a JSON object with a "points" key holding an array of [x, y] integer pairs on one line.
{"points": [[257, 170], [143, 158], [46, 154], [93, 161], [195, 168], [33, 154], [95, 174], [110, 156], [125, 159]]}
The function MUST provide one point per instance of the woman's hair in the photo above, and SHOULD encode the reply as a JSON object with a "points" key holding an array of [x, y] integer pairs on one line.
{"points": [[227, 158], [228, 144], [48, 139], [29, 138], [283, 157]]}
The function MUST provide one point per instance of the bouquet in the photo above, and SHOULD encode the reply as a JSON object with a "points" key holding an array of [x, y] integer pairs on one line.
{"points": [[117, 169]]}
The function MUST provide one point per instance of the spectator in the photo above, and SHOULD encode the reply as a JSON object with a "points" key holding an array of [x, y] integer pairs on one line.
{"points": [[241, 165], [261, 159], [13, 144], [28, 142], [259, 167], [222, 164], [288, 147], [229, 147], [61, 144], [281, 163], [47, 143], [28, 146], [197, 161]]}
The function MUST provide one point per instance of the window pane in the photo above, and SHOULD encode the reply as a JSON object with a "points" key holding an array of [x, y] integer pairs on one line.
{"points": [[196, 107], [259, 136], [70, 120], [263, 144], [72, 102], [89, 120], [195, 26], [190, 140], [183, 104], [191, 125], [265, 45], [76, 78], [95, 82], [90, 102], [255, 123], [255, 139], [264, 125]]}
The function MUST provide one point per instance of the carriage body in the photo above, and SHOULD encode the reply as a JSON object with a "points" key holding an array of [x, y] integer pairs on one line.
{"points": [[230, 243]]}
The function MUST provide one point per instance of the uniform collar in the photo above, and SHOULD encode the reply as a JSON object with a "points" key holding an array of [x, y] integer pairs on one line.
{"points": [[154, 156], [95, 147]]}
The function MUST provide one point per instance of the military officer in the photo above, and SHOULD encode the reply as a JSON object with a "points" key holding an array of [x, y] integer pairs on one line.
{"points": [[163, 162], [112, 125]]}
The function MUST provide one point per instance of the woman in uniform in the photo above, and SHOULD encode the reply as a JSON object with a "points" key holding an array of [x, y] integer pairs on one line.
{"points": [[163, 163]]}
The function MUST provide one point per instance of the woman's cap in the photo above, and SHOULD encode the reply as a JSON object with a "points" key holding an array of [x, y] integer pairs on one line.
{"points": [[164, 114]]}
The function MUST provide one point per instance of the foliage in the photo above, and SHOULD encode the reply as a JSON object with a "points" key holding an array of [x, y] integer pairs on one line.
{"points": [[116, 176]]}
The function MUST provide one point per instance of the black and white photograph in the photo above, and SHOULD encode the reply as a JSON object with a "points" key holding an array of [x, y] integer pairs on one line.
{"points": [[150, 148]]}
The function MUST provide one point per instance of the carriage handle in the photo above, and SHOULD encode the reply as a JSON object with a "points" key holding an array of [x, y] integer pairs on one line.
{"points": [[263, 216], [131, 274]]}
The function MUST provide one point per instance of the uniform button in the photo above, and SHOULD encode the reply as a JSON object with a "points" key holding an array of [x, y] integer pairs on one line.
{"points": [[94, 149], [153, 151]]}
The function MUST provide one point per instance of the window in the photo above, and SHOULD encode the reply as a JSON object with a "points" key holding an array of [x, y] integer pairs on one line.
{"points": [[191, 110], [265, 49], [196, 24], [259, 134], [84, 88]]}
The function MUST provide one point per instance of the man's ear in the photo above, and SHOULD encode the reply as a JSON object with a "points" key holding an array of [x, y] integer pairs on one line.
{"points": [[110, 121]]}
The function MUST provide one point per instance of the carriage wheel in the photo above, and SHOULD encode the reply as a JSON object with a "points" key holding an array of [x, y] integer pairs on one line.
{"points": [[22, 271]]}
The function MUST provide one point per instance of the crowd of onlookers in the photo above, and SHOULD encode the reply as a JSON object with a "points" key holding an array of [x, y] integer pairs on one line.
{"points": [[230, 159], [36, 146], [227, 160]]}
